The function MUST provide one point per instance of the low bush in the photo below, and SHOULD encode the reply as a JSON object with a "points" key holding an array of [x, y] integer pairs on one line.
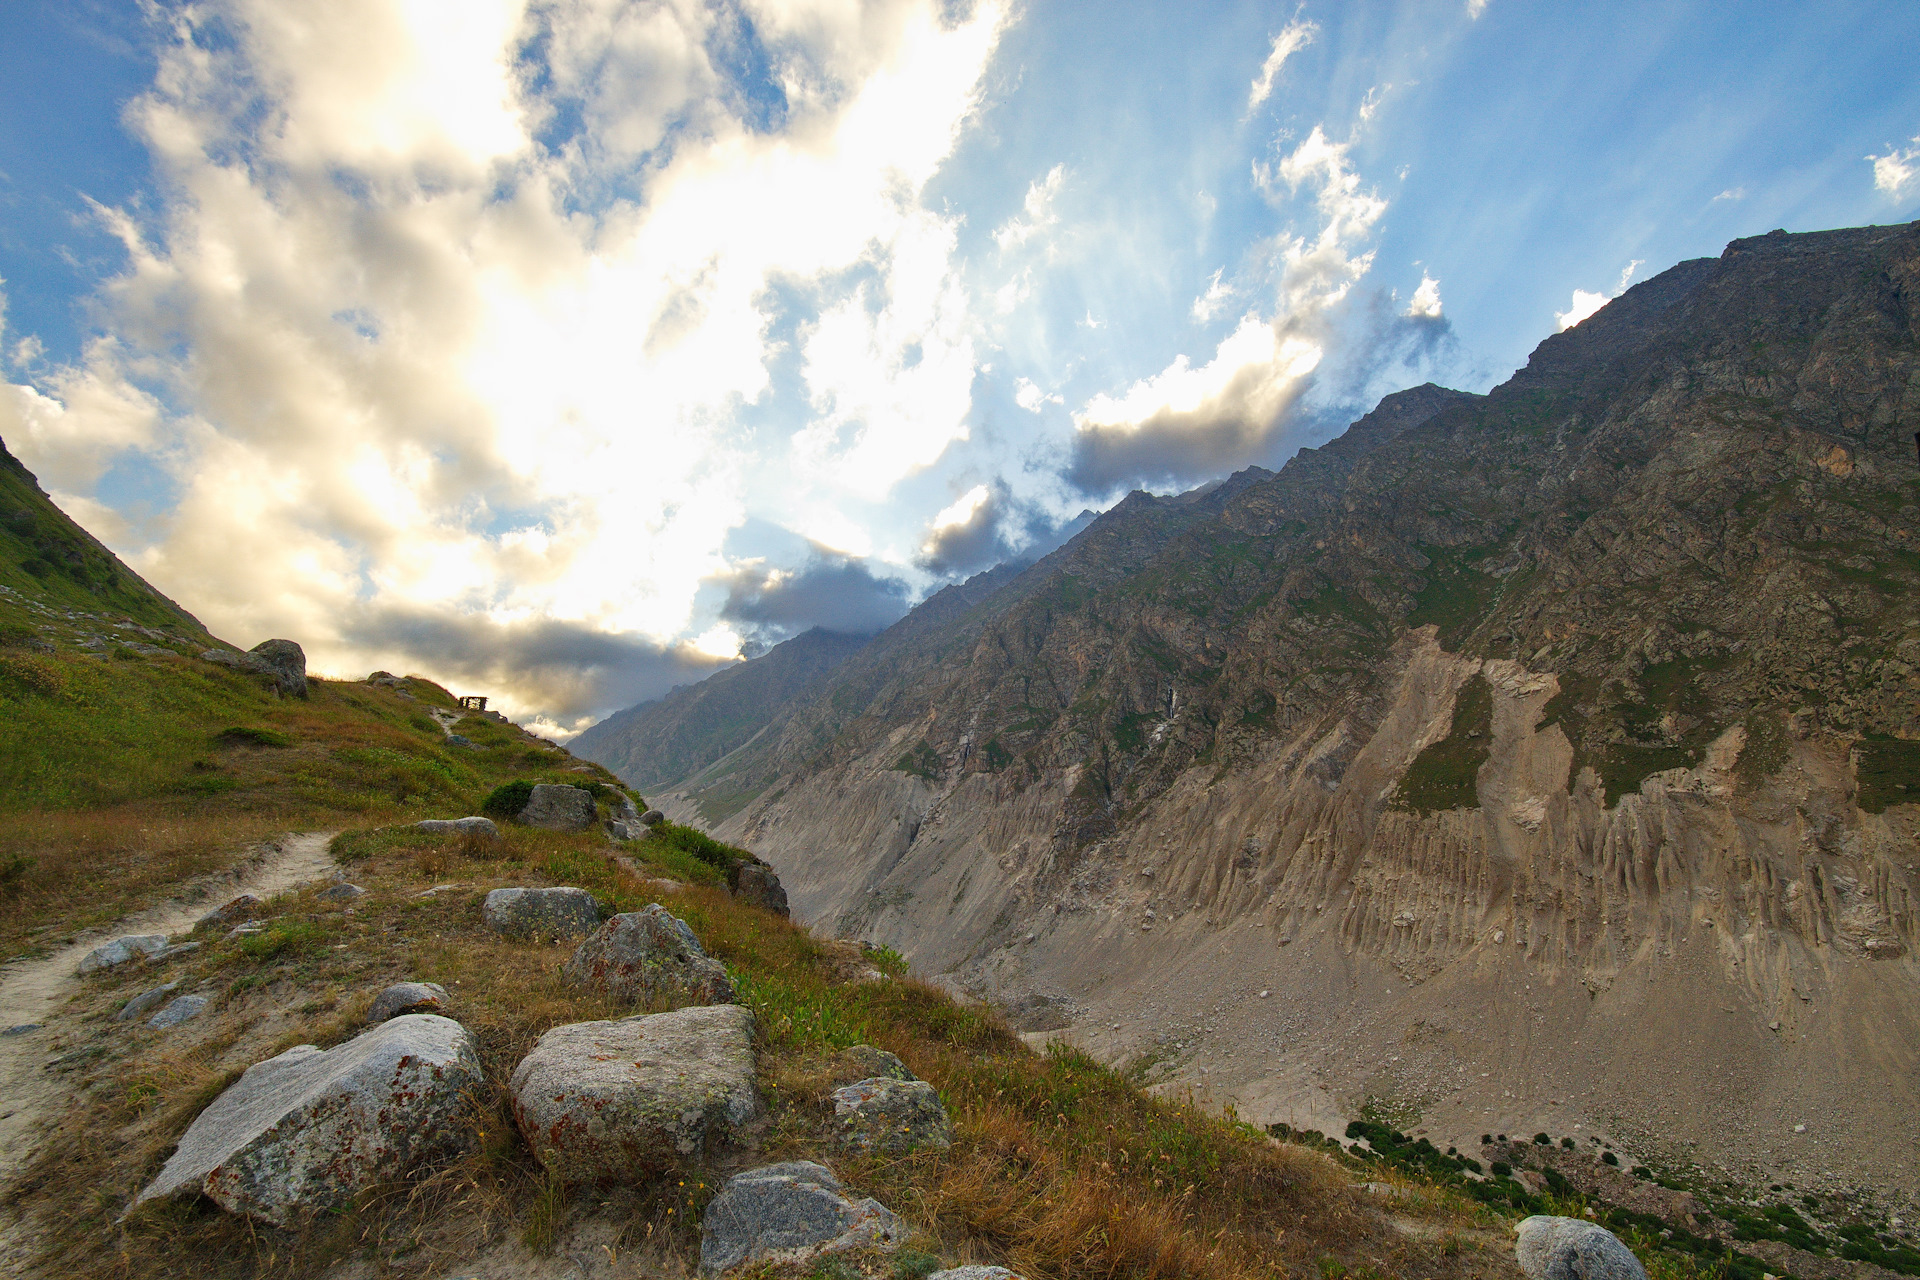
{"points": [[250, 736], [507, 799]]}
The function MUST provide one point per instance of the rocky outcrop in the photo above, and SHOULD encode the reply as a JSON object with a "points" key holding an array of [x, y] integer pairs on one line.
{"points": [[1572, 1249], [556, 807], [864, 1062], [757, 885], [522, 914], [790, 1214], [476, 826], [644, 956], [284, 664], [598, 1100], [145, 1002], [893, 1116], [111, 955], [308, 1130], [407, 997]]}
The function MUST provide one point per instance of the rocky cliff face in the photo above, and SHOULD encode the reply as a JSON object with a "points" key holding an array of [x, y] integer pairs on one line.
{"points": [[1538, 760]]}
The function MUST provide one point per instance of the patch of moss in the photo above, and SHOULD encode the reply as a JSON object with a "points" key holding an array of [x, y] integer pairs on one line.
{"points": [[1445, 775], [1886, 772]]}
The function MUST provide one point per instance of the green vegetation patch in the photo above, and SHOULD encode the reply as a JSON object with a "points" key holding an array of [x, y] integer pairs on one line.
{"points": [[251, 736], [922, 762], [1445, 775], [1887, 772], [1456, 595], [507, 799]]}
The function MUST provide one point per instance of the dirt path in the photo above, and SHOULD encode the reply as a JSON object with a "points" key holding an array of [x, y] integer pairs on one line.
{"points": [[34, 993]]}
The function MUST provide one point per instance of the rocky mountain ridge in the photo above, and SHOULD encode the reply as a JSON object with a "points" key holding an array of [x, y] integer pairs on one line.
{"points": [[1518, 748]]}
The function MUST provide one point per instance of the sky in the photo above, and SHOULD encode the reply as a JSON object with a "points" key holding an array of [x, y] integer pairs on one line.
{"points": [[565, 350]]}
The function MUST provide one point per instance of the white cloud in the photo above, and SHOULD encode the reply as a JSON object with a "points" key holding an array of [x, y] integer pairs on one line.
{"points": [[1030, 397], [1425, 303], [1731, 193], [1475, 8], [1036, 211], [1897, 170], [1584, 304], [418, 362], [1626, 276], [1209, 304], [1295, 36]]}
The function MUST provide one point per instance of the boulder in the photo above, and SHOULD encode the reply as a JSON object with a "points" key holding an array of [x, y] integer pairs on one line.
{"points": [[140, 1004], [308, 1130], [652, 818], [599, 1100], [623, 819], [864, 1062], [1573, 1249], [759, 886], [226, 658], [285, 662], [790, 1214], [885, 1114], [643, 956], [178, 1010], [342, 892], [233, 911], [407, 997], [976, 1273], [111, 955], [477, 825], [541, 913], [555, 806]]}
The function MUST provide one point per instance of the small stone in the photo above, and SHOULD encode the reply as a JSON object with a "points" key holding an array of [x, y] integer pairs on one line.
{"points": [[113, 954], [641, 956], [864, 1062], [141, 1003], [459, 740], [884, 1114], [976, 1273], [541, 913], [790, 1214], [246, 930], [407, 997], [234, 910], [341, 893], [178, 1010], [1551, 1248], [1799, 1128], [556, 807], [1264, 993], [20, 1029]]}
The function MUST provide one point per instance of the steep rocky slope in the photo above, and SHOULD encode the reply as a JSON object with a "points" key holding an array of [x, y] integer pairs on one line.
{"points": [[1540, 759]]}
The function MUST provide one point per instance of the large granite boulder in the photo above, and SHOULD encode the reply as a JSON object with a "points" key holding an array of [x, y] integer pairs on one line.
{"points": [[407, 997], [479, 827], [599, 1100], [111, 955], [285, 665], [894, 1116], [643, 956], [555, 806], [1573, 1249], [541, 913], [790, 1214], [308, 1130], [759, 886]]}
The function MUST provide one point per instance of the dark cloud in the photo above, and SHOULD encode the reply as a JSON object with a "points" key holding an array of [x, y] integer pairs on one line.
{"points": [[832, 591], [1391, 351], [975, 543], [561, 670]]}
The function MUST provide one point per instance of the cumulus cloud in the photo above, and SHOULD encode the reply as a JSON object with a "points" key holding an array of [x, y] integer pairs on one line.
{"points": [[1293, 37], [837, 592], [1191, 421], [1029, 396], [966, 535], [1897, 171], [1586, 302], [448, 310], [1425, 303]]}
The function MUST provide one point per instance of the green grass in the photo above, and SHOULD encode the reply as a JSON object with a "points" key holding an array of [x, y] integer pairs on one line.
{"points": [[1456, 595], [1445, 775]]}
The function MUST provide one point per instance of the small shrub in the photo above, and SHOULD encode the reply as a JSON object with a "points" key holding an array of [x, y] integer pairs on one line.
{"points": [[507, 799], [1486, 1139], [16, 635], [21, 674], [287, 938], [13, 874], [1607, 1157], [123, 654], [1501, 1169], [912, 1264], [1567, 1143], [1542, 1140], [249, 736]]}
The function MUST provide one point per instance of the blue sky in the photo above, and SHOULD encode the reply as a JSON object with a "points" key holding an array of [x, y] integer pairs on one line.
{"points": [[565, 348]]}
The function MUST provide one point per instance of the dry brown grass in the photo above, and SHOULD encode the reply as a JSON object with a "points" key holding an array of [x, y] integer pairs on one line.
{"points": [[1060, 1168]]}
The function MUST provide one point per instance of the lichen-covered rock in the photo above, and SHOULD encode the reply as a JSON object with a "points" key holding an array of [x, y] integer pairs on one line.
{"points": [[864, 1062], [642, 956], [342, 892], [134, 946], [140, 1004], [308, 1130], [757, 884], [976, 1273], [652, 818], [285, 663], [885, 1114], [475, 825], [407, 997], [541, 913], [555, 806], [1572, 1249], [178, 1010], [790, 1214], [244, 907], [600, 1100]]}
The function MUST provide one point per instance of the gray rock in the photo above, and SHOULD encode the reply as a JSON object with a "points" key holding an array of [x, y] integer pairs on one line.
{"points": [[21, 1029], [460, 826], [976, 1273], [790, 1213], [1573, 1249], [227, 658], [648, 955], [173, 952], [285, 662], [407, 997], [864, 1062], [145, 1001], [113, 954], [884, 1114], [306, 1131], [555, 806], [233, 911], [341, 893], [541, 913], [652, 818], [459, 740], [178, 1010], [599, 1100], [758, 885]]}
